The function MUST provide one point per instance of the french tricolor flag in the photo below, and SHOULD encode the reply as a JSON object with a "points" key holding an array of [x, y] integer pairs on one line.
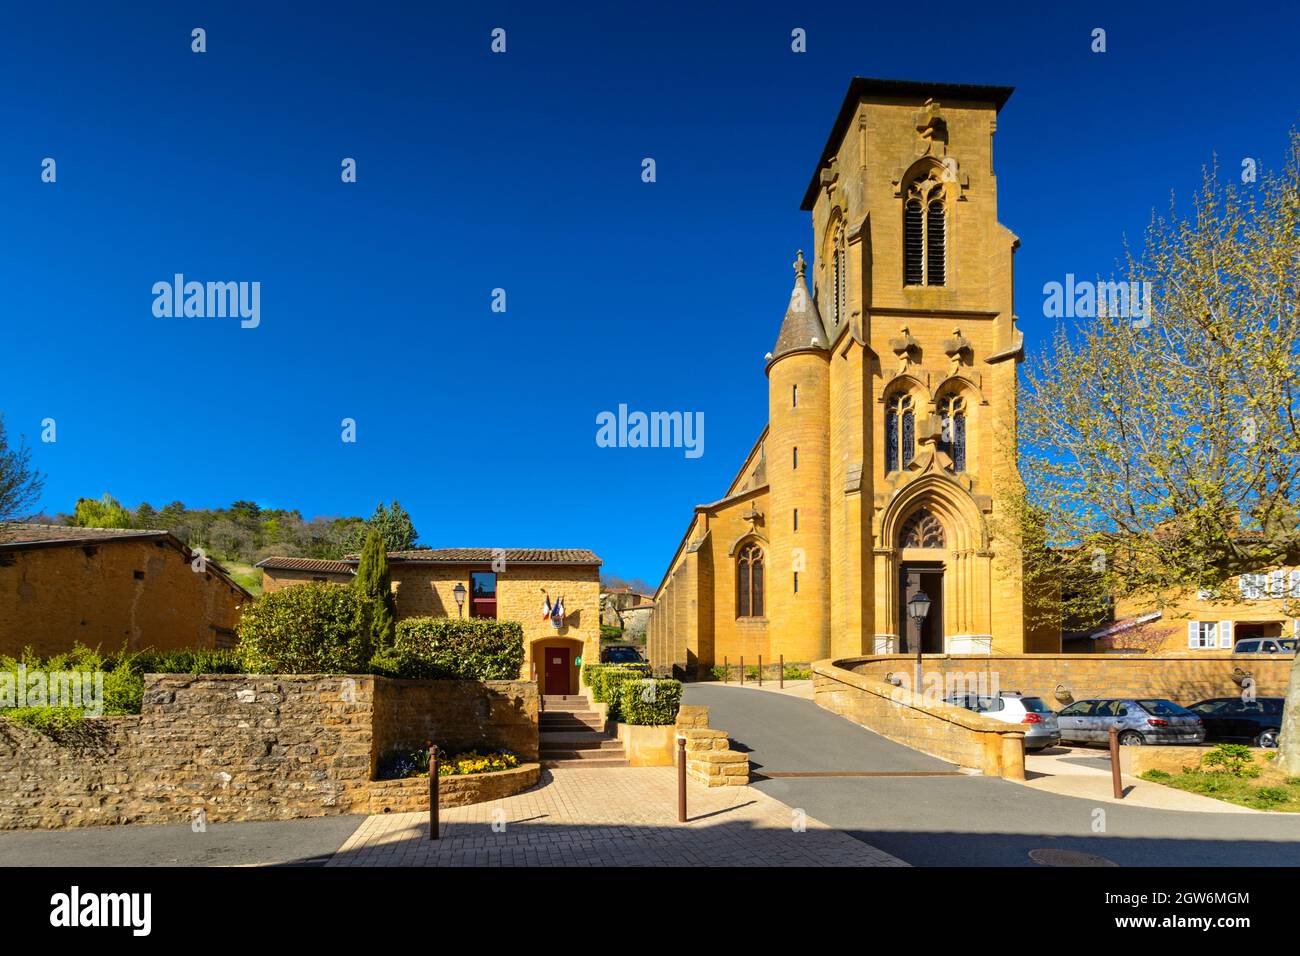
{"points": [[546, 608]]}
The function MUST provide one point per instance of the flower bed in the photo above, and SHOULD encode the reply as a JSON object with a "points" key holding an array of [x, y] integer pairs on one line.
{"points": [[469, 762]]}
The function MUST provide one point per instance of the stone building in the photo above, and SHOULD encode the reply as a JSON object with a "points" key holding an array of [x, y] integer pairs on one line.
{"points": [[110, 588], [891, 404], [505, 583]]}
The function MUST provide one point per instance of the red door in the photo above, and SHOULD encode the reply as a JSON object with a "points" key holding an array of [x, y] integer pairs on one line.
{"points": [[556, 672]]}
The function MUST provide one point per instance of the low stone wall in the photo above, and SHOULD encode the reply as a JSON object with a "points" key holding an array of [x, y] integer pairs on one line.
{"points": [[711, 761], [1182, 678], [1171, 759], [457, 714], [248, 747], [950, 733], [411, 795]]}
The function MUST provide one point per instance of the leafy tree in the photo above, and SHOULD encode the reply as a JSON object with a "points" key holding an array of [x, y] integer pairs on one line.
{"points": [[393, 524], [1160, 453], [20, 484], [145, 516], [106, 512], [376, 584]]}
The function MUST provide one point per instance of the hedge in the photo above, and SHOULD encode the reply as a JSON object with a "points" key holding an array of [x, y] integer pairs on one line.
{"points": [[605, 681], [454, 649], [315, 628], [650, 702]]}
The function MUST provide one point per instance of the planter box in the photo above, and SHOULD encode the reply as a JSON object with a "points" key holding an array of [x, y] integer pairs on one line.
{"points": [[648, 746], [411, 794]]}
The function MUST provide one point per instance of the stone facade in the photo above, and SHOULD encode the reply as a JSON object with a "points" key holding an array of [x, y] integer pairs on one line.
{"points": [[250, 747], [412, 794], [426, 588], [1259, 607], [110, 589], [819, 495]]}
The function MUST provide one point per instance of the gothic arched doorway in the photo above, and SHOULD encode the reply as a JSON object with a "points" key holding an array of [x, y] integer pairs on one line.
{"points": [[922, 531]]}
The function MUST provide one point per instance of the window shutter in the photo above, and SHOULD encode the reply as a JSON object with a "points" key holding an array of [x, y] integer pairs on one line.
{"points": [[1193, 634], [1225, 634]]}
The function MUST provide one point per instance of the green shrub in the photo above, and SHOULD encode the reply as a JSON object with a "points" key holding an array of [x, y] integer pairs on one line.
{"points": [[1270, 795], [312, 628], [610, 682], [1232, 759], [1157, 775], [445, 648], [608, 632], [650, 702]]}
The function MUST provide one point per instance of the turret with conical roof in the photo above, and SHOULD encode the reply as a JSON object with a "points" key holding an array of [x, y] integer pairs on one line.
{"points": [[798, 463], [802, 329]]}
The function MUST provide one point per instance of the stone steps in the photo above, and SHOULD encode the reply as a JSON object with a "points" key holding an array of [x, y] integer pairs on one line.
{"points": [[571, 734]]}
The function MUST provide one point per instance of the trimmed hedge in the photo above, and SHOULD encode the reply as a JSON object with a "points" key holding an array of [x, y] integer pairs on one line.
{"points": [[605, 681], [650, 702], [445, 648], [315, 628]]}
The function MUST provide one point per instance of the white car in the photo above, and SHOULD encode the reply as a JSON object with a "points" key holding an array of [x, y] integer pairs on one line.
{"points": [[1039, 720]]}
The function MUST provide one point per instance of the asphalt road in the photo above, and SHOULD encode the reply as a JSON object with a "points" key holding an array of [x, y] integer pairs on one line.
{"points": [[967, 820], [288, 843]]}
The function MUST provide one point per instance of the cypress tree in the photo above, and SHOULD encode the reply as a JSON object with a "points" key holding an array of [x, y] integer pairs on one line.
{"points": [[374, 581]]}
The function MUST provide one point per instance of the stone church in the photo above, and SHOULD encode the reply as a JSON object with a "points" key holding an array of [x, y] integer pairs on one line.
{"points": [[891, 414]]}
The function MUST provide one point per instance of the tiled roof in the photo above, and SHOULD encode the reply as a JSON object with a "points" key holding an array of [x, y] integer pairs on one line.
{"points": [[578, 556], [22, 532], [306, 564], [21, 535]]}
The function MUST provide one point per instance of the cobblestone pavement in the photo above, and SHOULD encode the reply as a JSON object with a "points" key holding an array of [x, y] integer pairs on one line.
{"points": [[610, 817]]}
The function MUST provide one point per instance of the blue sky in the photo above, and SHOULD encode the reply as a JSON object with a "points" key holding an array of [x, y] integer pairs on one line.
{"points": [[518, 171]]}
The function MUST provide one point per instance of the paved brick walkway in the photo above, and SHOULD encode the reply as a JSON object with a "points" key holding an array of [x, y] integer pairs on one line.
{"points": [[610, 817]]}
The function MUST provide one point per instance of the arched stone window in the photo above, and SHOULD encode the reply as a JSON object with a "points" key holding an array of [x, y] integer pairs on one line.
{"points": [[900, 432], [749, 582], [925, 233], [952, 429], [922, 530], [840, 274]]}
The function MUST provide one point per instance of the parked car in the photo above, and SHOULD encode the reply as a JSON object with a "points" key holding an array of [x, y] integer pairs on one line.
{"points": [[1232, 719], [620, 654], [1265, 645], [1145, 720], [1038, 719]]}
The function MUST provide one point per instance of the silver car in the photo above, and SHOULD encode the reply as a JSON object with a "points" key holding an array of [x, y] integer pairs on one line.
{"points": [[1035, 718], [1142, 720]]}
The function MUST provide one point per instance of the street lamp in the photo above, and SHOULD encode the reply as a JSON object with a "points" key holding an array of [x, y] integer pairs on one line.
{"points": [[918, 607], [459, 593]]}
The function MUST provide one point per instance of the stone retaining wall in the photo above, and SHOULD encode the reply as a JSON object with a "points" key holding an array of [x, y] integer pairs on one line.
{"points": [[411, 795], [248, 747], [1182, 678], [950, 733]]}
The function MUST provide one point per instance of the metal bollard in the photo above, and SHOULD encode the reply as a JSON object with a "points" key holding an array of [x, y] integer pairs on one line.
{"points": [[681, 779], [1114, 763], [433, 790], [760, 670], [742, 670], [726, 670], [781, 672]]}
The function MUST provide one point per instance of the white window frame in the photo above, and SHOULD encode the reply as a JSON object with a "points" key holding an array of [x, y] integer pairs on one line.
{"points": [[1208, 635]]}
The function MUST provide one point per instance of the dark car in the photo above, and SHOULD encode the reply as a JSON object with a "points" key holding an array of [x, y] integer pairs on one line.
{"points": [[621, 654], [1232, 719], [1144, 720]]}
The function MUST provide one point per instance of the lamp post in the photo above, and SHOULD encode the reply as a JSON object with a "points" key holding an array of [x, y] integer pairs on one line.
{"points": [[918, 607], [459, 593]]}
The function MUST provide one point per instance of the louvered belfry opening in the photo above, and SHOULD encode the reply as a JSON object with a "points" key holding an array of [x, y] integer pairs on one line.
{"points": [[913, 244], [934, 241], [925, 234]]}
